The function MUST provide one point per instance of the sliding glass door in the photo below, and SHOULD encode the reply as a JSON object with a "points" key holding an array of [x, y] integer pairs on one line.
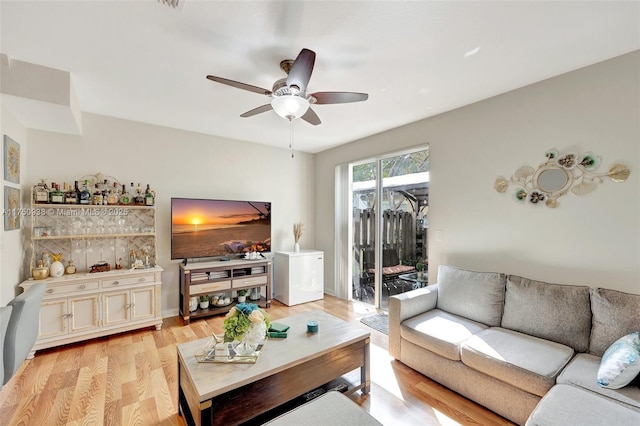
{"points": [[390, 203]]}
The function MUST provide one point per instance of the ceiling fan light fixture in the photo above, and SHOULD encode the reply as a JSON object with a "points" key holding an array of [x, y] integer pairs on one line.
{"points": [[290, 106]]}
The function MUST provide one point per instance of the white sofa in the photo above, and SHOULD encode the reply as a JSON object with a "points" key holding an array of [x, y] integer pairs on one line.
{"points": [[506, 342]]}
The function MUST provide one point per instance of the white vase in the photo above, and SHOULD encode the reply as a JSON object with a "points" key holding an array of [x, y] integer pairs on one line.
{"points": [[296, 247], [56, 269], [193, 304], [242, 299], [251, 339]]}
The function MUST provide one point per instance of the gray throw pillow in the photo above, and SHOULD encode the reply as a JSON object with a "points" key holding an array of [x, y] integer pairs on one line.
{"points": [[615, 314], [478, 296], [561, 313]]}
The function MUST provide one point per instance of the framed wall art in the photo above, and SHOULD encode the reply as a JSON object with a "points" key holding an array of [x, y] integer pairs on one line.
{"points": [[11, 210], [11, 160]]}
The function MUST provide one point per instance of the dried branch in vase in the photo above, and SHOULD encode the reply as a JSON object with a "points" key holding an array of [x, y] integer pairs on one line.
{"points": [[297, 231]]}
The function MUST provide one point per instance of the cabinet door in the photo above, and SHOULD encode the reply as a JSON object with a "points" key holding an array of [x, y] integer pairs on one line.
{"points": [[53, 318], [142, 303], [84, 313], [116, 307]]}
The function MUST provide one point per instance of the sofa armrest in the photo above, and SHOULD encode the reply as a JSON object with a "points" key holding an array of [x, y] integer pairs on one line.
{"points": [[407, 305]]}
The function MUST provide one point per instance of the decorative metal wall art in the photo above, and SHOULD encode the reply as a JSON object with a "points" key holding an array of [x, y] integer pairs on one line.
{"points": [[561, 173]]}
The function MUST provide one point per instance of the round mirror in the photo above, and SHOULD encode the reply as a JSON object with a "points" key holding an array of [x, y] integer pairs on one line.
{"points": [[552, 180]]}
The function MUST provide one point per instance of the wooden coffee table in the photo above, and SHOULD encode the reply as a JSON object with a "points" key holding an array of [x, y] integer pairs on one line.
{"points": [[228, 394]]}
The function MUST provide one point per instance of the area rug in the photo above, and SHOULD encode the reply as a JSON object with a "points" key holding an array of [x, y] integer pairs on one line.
{"points": [[378, 322]]}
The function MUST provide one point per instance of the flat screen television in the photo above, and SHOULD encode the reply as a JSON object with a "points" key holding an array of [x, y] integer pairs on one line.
{"points": [[218, 228]]}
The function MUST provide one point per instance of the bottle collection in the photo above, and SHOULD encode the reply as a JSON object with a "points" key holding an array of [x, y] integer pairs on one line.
{"points": [[100, 193]]}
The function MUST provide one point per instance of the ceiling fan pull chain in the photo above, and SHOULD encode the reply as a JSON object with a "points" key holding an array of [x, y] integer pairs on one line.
{"points": [[291, 135]]}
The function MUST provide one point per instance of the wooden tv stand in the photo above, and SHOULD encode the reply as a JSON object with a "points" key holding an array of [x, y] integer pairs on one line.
{"points": [[223, 278]]}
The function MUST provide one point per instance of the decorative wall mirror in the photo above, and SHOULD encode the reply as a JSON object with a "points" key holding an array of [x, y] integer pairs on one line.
{"points": [[561, 173]]}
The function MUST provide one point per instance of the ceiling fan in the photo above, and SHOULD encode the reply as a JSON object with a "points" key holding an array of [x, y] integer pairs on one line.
{"points": [[289, 95]]}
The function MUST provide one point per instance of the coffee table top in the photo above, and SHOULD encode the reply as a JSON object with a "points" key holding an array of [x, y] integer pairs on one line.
{"points": [[213, 379]]}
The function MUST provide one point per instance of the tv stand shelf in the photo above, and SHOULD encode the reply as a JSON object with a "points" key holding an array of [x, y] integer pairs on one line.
{"points": [[218, 277]]}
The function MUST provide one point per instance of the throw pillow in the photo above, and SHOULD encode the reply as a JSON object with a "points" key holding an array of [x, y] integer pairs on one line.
{"points": [[620, 363]]}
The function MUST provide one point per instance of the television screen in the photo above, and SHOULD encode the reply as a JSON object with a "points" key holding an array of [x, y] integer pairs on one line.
{"points": [[210, 228]]}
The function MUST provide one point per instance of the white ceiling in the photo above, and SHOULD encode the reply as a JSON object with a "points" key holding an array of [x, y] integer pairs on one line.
{"points": [[145, 61]]}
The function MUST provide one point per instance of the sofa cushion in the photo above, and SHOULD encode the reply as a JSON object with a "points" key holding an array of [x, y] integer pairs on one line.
{"points": [[567, 405], [478, 296], [440, 332], [620, 363], [582, 372], [526, 362], [615, 314], [561, 313]]}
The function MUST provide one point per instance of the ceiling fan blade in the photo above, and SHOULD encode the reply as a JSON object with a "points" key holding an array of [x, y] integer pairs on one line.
{"points": [[311, 117], [301, 69], [338, 97], [237, 84], [259, 110]]}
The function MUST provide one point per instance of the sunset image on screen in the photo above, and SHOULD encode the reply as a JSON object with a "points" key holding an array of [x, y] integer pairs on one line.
{"points": [[202, 228]]}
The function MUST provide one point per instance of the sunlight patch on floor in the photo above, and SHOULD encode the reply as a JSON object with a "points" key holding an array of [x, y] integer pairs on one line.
{"points": [[363, 309], [383, 375]]}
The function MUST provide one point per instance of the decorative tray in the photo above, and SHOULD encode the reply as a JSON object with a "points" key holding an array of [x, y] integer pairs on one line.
{"points": [[215, 350]]}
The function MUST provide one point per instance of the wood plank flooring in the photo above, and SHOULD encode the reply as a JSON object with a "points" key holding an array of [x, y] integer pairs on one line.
{"points": [[131, 379]]}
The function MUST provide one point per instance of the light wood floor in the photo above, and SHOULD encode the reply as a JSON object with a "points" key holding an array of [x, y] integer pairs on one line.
{"points": [[131, 379]]}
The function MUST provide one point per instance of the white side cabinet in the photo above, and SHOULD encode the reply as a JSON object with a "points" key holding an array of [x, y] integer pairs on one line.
{"points": [[83, 306], [298, 277]]}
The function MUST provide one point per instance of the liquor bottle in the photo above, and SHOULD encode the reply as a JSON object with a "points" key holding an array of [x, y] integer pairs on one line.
{"points": [[41, 193], [125, 198], [149, 197], [105, 192], [76, 190], [85, 195], [55, 195], [97, 195], [69, 195], [113, 196], [139, 199]]}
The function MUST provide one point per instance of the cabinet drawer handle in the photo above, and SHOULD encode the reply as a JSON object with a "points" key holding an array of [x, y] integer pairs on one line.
{"points": [[116, 282], [50, 290], [143, 279], [82, 287]]}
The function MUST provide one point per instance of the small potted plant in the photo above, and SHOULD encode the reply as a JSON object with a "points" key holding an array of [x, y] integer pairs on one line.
{"points": [[242, 296], [420, 269], [204, 301]]}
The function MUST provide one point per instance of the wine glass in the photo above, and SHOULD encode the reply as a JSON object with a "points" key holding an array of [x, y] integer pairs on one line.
{"points": [[88, 226]]}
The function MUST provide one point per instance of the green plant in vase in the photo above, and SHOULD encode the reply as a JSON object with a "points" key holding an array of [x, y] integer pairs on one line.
{"points": [[420, 269], [204, 301]]}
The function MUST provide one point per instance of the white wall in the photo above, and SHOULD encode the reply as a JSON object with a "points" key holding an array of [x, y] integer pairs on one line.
{"points": [[12, 254], [180, 164], [592, 240]]}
